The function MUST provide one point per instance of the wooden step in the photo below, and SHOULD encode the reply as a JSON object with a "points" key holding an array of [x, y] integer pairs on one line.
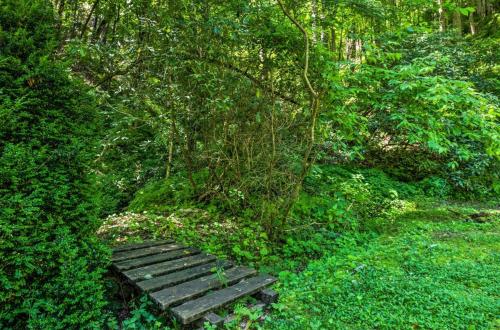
{"points": [[196, 309], [148, 272], [187, 283], [134, 246], [142, 252], [172, 279], [155, 258], [195, 288]]}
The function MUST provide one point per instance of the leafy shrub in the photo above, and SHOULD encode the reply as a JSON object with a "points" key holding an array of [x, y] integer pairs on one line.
{"points": [[473, 60], [419, 116], [142, 317], [162, 195], [435, 186], [348, 199], [444, 123], [51, 260], [130, 157]]}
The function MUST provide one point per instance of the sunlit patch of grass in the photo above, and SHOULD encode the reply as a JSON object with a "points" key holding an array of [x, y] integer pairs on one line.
{"points": [[434, 215], [434, 269]]}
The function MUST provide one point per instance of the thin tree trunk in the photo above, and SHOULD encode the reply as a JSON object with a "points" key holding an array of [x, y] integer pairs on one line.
{"points": [[457, 20], [322, 18], [87, 20], [340, 46], [115, 23], [170, 147], [472, 24], [314, 15], [359, 50], [333, 45], [60, 14], [189, 160], [307, 160], [441, 16], [173, 129]]}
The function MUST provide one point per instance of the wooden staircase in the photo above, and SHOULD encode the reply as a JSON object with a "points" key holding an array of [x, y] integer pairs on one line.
{"points": [[186, 282]]}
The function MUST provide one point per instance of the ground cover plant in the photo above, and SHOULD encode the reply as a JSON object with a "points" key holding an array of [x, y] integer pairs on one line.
{"points": [[432, 269], [349, 147]]}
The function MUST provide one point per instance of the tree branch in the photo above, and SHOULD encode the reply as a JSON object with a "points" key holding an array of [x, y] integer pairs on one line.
{"points": [[306, 40], [234, 68]]}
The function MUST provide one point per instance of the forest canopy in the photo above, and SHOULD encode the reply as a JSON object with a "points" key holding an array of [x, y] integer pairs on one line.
{"points": [[264, 112]]}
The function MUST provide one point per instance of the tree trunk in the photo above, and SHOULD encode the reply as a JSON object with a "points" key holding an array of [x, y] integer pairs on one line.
{"points": [[472, 24], [332, 44], [457, 20], [87, 20], [442, 22], [314, 15], [340, 47], [359, 50]]}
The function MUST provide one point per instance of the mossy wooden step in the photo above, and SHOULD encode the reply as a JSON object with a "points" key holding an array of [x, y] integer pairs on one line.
{"points": [[148, 272], [164, 281], [195, 288], [146, 251], [187, 283], [197, 308], [156, 258], [134, 246]]}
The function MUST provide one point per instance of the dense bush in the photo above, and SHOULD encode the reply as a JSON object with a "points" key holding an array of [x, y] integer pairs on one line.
{"points": [[346, 198], [473, 59], [335, 200], [51, 260], [415, 119]]}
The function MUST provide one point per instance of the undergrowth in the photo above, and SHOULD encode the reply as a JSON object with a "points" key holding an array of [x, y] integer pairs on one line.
{"points": [[361, 251], [434, 269]]}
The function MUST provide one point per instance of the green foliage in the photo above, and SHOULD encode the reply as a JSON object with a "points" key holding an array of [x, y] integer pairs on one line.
{"points": [[248, 316], [334, 200], [211, 136], [415, 122], [432, 270], [345, 199], [129, 156], [51, 260], [230, 101], [358, 252], [472, 60], [142, 317], [165, 195]]}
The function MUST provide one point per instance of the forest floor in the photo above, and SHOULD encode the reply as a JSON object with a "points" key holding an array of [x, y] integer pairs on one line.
{"points": [[431, 268], [435, 266]]}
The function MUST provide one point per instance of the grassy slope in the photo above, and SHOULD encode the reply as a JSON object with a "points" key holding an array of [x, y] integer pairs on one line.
{"points": [[430, 268]]}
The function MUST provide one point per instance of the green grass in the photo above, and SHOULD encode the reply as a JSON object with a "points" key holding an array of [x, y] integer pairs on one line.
{"points": [[430, 268]]}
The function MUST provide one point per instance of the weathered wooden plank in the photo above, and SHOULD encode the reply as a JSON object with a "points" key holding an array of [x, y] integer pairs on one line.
{"points": [[125, 255], [268, 296], [195, 288], [148, 272], [134, 246], [155, 258], [172, 279], [195, 309]]}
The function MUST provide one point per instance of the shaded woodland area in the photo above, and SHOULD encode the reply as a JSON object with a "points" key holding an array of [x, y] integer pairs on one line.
{"points": [[297, 136]]}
